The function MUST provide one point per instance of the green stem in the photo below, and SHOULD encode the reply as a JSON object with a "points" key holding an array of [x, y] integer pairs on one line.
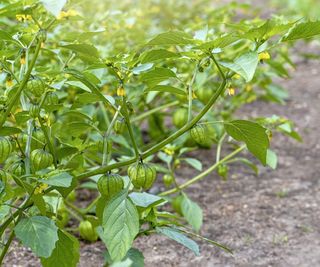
{"points": [[75, 208], [28, 146], [91, 205], [190, 93], [105, 141], [6, 247], [129, 126], [204, 173], [150, 112], [50, 145], [21, 86], [219, 147]]}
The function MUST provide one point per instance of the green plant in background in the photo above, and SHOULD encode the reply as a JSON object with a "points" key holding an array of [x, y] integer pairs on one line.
{"points": [[111, 101]]}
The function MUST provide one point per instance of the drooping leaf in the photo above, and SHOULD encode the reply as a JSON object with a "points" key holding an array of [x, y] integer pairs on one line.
{"points": [[156, 76], [253, 134], [245, 65], [5, 131], [167, 89], [39, 233], [66, 252], [272, 159], [303, 31], [86, 49], [157, 54], [192, 212], [62, 179], [136, 257], [177, 236], [171, 38], [120, 224], [194, 163], [145, 200]]}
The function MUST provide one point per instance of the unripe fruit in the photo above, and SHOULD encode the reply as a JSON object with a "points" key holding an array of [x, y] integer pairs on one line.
{"points": [[223, 171], [110, 184], [199, 134], [34, 111], [5, 148], [119, 126], [176, 204], [204, 94], [180, 117], [17, 168], [51, 99], [142, 175], [36, 87], [40, 159], [168, 179], [63, 218], [87, 231], [4, 176]]}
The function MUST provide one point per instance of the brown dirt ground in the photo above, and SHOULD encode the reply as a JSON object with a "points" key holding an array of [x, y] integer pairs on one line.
{"points": [[268, 220]]}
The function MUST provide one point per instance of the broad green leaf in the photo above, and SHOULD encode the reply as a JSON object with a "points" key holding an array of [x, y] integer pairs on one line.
{"points": [[5, 131], [125, 263], [245, 65], [77, 128], [120, 224], [253, 134], [171, 38], [62, 179], [192, 212], [157, 54], [66, 252], [177, 236], [272, 159], [142, 68], [145, 200], [86, 49], [248, 163], [167, 89], [39, 233], [303, 31], [220, 42], [54, 6], [5, 36], [194, 163], [136, 256], [156, 76], [79, 85], [4, 209]]}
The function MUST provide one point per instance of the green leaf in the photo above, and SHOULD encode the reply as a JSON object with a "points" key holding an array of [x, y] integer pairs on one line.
{"points": [[39, 233], [142, 68], [166, 89], [177, 236], [303, 31], [66, 252], [272, 159], [253, 134], [136, 257], [245, 65], [62, 179], [121, 225], [85, 49], [192, 212], [54, 6], [157, 54], [248, 163], [77, 128], [5, 131], [157, 75], [220, 42], [194, 163], [145, 200], [171, 38]]}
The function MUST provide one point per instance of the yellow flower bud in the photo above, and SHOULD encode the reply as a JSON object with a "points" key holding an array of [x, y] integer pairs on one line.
{"points": [[231, 91], [264, 55], [121, 91]]}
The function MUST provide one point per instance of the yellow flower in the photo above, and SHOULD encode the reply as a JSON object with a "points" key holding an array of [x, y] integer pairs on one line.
{"points": [[9, 82], [168, 151], [121, 91], [264, 55], [237, 76], [248, 87], [22, 60], [23, 17], [231, 91], [67, 14], [40, 189]]}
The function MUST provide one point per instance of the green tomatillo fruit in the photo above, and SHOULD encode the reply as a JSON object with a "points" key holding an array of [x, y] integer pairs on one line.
{"points": [[199, 134], [87, 231], [142, 175], [110, 184], [180, 117], [40, 159]]}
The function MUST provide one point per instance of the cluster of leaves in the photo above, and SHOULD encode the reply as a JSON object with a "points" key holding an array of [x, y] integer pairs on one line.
{"points": [[80, 107]]}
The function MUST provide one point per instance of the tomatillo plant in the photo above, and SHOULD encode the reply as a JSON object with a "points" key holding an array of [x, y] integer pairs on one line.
{"points": [[97, 102]]}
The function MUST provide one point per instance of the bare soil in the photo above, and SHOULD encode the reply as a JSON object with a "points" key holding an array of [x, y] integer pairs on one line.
{"points": [[268, 220]]}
